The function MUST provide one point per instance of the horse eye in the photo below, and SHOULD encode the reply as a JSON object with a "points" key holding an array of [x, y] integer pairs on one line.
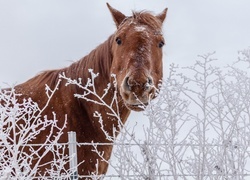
{"points": [[161, 44], [118, 41]]}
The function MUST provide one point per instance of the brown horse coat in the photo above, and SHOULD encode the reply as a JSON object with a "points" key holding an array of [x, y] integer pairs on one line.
{"points": [[133, 53]]}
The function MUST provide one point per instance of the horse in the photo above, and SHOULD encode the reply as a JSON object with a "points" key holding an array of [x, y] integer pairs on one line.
{"points": [[133, 53]]}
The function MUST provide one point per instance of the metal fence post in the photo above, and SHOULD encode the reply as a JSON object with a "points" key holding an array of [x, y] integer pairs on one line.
{"points": [[73, 154]]}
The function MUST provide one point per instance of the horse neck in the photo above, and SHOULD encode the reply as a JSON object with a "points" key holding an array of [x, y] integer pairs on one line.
{"points": [[99, 60]]}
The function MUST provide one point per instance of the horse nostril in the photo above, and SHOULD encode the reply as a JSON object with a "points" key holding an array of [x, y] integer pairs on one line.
{"points": [[130, 84], [150, 81], [148, 84], [127, 86]]}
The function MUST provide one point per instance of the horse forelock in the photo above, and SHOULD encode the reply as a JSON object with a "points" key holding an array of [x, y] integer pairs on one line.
{"points": [[143, 18]]}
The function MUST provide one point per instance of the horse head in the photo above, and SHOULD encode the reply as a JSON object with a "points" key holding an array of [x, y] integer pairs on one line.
{"points": [[137, 56]]}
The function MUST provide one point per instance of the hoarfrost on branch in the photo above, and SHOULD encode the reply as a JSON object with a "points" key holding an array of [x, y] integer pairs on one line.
{"points": [[197, 128]]}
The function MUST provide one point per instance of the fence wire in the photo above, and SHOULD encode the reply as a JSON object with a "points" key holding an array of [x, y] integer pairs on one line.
{"points": [[158, 176]]}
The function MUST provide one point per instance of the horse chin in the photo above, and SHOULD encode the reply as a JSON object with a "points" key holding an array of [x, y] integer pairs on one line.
{"points": [[136, 107]]}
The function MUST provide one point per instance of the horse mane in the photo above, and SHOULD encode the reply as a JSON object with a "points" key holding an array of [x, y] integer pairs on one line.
{"points": [[99, 60]]}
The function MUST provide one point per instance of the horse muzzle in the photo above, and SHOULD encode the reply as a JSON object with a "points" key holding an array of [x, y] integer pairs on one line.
{"points": [[137, 92]]}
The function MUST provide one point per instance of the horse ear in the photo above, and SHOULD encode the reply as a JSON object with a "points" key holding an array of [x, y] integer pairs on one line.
{"points": [[117, 15], [162, 15]]}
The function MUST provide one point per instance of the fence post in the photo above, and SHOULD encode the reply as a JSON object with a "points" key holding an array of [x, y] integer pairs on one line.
{"points": [[73, 155]]}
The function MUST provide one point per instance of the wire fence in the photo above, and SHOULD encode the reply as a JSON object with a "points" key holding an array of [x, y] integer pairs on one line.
{"points": [[72, 145]]}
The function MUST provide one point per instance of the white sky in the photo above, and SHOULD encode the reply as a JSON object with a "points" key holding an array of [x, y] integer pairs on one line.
{"points": [[44, 34]]}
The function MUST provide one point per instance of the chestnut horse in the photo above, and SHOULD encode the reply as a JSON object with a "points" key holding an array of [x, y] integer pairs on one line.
{"points": [[134, 54]]}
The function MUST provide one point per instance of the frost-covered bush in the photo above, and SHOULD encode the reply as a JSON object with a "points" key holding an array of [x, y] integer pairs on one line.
{"points": [[20, 123], [197, 128]]}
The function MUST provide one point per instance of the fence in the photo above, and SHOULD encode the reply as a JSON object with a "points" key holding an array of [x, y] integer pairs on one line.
{"points": [[73, 163], [198, 128], [164, 174]]}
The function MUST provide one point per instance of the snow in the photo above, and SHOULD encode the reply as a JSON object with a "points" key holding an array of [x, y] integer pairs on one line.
{"points": [[140, 28]]}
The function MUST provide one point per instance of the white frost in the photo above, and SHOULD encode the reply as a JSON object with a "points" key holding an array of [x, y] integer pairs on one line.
{"points": [[140, 28]]}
